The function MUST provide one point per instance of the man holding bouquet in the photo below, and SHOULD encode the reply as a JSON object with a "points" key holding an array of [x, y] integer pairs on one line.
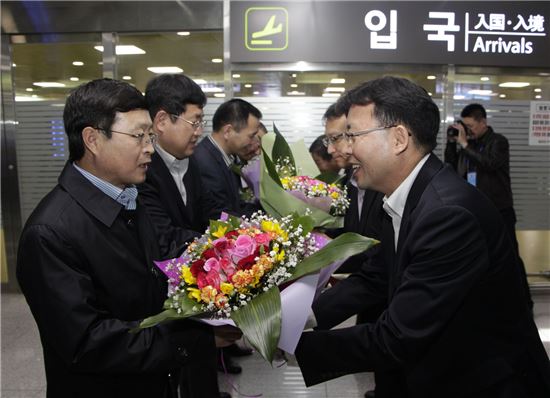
{"points": [[456, 323], [85, 261]]}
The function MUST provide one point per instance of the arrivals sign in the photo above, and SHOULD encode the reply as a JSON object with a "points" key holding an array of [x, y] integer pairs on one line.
{"points": [[511, 33]]}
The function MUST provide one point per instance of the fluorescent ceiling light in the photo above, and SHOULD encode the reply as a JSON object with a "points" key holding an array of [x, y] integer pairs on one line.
{"points": [[14, 65], [294, 92], [24, 98], [458, 96], [217, 60], [294, 75], [48, 84], [502, 95], [331, 95], [514, 84], [256, 92], [78, 63], [484, 78], [335, 89], [165, 69], [538, 96], [293, 85], [337, 81], [480, 92], [74, 79], [236, 75], [29, 89], [124, 49], [538, 90], [200, 81], [184, 33], [212, 89], [219, 95], [126, 77], [430, 94], [431, 77], [248, 85]]}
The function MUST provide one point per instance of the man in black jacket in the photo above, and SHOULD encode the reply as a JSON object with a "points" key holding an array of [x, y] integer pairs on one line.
{"points": [[235, 125], [85, 261], [482, 157], [456, 323]]}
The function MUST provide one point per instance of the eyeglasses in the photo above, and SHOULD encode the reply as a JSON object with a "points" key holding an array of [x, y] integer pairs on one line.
{"points": [[196, 125], [332, 139], [351, 136], [139, 136]]}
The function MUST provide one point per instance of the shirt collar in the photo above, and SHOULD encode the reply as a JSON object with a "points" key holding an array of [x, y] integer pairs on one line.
{"points": [[228, 159], [177, 165], [394, 205], [126, 197]]}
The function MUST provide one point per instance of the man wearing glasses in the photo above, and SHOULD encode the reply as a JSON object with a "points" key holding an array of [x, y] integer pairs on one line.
{"points": [[455, 322], [85, 261], [174, 194]]}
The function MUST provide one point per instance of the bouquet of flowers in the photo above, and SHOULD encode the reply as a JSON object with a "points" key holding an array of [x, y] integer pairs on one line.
{"points": [[283, 189], [235, 269]]}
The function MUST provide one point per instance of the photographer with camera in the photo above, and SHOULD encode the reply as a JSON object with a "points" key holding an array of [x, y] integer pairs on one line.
{"points": [[482, 157]]}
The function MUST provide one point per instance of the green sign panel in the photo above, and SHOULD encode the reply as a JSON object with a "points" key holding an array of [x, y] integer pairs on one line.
{"points": [[266, 29]]}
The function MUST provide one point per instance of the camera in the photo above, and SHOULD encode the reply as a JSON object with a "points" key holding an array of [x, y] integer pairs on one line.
{"points": [[453, 132]]}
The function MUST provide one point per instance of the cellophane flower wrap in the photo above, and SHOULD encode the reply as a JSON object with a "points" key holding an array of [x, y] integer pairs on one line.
{"points": [[284, 189], [236, 268]]}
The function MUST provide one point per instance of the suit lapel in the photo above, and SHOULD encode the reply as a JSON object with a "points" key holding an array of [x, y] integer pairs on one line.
{"points": [[229, 176], [427, 172]]}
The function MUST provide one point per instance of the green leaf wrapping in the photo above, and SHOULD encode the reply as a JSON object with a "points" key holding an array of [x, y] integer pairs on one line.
{"points": [[344, 246], [281, 149], [260, 322]]}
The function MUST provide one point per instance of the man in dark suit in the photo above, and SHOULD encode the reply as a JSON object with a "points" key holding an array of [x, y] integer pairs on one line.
{"points": [[235, 126], [173, 192], [85, 261], [456, 322]]}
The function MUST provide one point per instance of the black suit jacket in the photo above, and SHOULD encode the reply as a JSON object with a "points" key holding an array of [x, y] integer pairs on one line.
{"points": [[456, 323], [86, 269], [220, 180], [177, 223]]}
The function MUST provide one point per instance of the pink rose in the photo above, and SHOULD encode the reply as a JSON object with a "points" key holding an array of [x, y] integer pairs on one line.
{"points": [[263, 239], [244, 246], [212, 264], [222, 245], [211, 278]]}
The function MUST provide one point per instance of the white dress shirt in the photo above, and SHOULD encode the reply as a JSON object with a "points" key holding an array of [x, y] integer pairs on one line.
{"points": [[394, 205], [177, 168]]}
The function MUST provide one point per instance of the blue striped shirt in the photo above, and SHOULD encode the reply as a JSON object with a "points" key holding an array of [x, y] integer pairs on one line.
{"points": [[126, 197]]}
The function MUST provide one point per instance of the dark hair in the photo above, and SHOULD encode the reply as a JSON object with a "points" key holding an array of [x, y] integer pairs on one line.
{"points": [[476, 111], [335, 111], [95, 104], [399, 101], [172, 93], [234, 112], [317, 147]]}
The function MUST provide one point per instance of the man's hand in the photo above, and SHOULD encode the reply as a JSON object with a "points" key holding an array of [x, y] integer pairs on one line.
{"points": [[461, 138], [226, 335]]}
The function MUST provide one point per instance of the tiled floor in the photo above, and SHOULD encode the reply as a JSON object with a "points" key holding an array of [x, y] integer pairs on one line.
{"points": [[22, 368]]}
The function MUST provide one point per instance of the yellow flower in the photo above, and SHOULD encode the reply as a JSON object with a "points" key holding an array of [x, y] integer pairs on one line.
{"points": [[188, 276], [281, 256], [208, 294], [274, 227], [194, 293], [226, 288], [334, 195], [220, 232]]}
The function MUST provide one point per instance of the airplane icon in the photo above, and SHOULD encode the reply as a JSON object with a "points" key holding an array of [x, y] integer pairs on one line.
{"points": [[268, 30]]}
